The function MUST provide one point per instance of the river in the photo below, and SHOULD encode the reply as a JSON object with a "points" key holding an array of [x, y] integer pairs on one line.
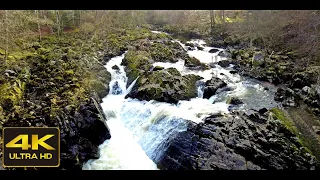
{"points": [[140, 130]]}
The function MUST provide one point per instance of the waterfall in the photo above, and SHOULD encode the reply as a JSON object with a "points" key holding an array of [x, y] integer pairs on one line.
{"points": [[141, 130]]}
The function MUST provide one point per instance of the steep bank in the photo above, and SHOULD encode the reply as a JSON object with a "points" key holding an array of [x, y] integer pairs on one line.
{"points": [[237, 142], [58, 83]]}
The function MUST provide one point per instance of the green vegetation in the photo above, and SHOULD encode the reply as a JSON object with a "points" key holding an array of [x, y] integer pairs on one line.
{"points": [[279, 114], [162, 53], [289, 124]]}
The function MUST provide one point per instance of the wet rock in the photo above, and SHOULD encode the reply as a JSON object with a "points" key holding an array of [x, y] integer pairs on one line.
{"points": [[213, 50], [157, 68], [200, 48], [166, 85], [224, 54], [115, 67], [190, 44], [116, 89], [212, 65], [234, 142], [211, 86], [232, 72], [257, 118], [190, 48], [234, 101], [224, 63], [263, 110], [287, 97], [194, 63]]}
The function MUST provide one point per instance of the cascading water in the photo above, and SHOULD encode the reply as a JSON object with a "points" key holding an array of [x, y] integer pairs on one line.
{"points": [[121, 151], [140, 130]]}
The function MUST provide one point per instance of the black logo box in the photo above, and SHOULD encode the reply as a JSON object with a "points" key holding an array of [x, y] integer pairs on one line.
{"points": [[9, 133]]}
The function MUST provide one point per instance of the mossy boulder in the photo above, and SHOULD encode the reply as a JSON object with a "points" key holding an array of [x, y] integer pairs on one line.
{"points": [[224, 63], [136, 62], [258, 58], [157, 68], [189, 44], [177, 49], [166, 85], [194, 63], [160, 52]]}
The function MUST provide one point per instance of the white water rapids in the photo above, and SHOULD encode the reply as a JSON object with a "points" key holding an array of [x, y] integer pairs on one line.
{"points": [[140, 130]]}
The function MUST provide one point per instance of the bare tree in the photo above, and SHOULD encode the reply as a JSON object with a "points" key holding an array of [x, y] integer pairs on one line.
{"points": [[212, 21], [7, 35], [58, 21], [38, 22]]}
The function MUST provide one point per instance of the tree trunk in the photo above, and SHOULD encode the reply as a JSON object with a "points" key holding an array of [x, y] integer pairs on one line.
{"points": [[57, 21], [79, 18], [39, 29], [7, 36], [73, 18], [223, 17], [212, 23]]}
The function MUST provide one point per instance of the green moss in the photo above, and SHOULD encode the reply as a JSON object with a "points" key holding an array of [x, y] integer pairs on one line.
{"points": [[289, 124], [2, 52], [279, 114], [161, 53], [255, 63], [136, 61], [43, 50], [193, 62], [69, 72]]}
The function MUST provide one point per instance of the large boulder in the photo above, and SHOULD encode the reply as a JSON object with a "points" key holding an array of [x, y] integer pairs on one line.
{"points": [[166, 85], [195, 64], [224, 63], [236, 142], [136, 63], [160, 52], [214, 50], [115, 67], [286, 96], [224, 54], [258, 59], [211, 86]]}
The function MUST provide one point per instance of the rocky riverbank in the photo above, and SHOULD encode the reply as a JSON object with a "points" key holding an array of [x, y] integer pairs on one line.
{"points": [[264, 140], [298, 83], [238, 141], [58, 83]]}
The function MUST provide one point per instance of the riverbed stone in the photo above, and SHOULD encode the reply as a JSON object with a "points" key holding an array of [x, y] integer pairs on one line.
{"points": [[211, 86], [166, 85], [235, 142]]}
